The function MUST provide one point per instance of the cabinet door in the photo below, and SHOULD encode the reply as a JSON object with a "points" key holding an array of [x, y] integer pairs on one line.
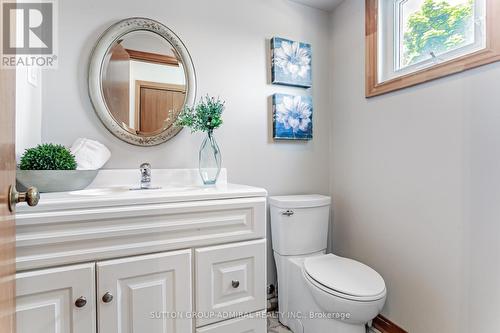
{"points": [[145, 294], [56, 300], [230, 279], [256, 323]]}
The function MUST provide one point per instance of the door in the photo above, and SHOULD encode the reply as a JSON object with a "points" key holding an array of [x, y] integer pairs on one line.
{"points": [[7, 178], [158, 104], [56, 300], [149, 293]]}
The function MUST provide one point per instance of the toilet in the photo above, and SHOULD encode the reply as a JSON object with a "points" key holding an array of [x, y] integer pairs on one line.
{"points": [[319, 292]]}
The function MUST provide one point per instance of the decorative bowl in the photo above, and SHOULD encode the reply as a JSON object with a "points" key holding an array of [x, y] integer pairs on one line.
{"points": [[55, 180]]}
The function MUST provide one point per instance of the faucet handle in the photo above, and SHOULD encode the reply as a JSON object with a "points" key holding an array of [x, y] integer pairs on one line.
{"points": [[145, 168], [145, 175]]}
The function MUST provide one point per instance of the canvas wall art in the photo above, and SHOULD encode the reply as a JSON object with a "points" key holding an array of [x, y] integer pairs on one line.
{"points": [[291, 63], [292, 117]]}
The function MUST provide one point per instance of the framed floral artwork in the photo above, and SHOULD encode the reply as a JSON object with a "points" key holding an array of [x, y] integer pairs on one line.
{"points": [[291, 63], [292, 117]]}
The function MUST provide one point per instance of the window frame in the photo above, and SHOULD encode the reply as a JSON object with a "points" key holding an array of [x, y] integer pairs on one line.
{"points": [[489, 54]]}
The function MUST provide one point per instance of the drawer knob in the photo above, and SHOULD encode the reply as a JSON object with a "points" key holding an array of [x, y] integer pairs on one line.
{"points": [[288, 213], [81, 302], [235, 283], [107, 298]]}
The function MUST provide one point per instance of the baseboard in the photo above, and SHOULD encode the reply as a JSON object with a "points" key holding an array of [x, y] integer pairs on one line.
{"points": [[384, 325]]}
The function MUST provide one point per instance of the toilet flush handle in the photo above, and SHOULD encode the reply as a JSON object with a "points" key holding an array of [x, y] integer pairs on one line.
{"points": [[288, 212]]}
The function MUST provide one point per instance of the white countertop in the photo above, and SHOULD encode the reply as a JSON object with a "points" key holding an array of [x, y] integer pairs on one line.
{"points": [[107, 191]]}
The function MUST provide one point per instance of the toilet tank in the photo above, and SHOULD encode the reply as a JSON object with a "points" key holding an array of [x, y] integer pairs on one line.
{"points": [[299, 224]]}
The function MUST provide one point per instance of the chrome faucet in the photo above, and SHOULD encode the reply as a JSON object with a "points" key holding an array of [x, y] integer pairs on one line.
{"points": [[145, 175]]}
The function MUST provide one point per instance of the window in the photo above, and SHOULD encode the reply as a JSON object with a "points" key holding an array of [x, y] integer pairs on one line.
{"points": [[413, 41], [429, 31]]}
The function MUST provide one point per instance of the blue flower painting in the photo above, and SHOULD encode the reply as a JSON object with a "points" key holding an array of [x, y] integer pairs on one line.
{"points": [[292, 117], [291, 63]]}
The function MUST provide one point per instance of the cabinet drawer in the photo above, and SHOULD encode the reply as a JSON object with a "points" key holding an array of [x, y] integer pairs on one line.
{"points": [[257, 324], [230, 279]]}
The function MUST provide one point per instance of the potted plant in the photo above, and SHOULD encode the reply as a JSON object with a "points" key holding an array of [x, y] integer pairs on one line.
{"points": [[52, 168], [205, 116]]}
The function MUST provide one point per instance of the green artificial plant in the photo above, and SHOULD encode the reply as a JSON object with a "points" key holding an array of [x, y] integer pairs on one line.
{"points": [[48, 157], [204, 116]]}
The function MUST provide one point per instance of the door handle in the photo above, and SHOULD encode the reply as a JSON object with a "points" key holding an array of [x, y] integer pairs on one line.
{"points": [[31, 197]]}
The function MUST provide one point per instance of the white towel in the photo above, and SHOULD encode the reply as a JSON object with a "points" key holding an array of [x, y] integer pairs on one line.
{"points": [[90, 154]]}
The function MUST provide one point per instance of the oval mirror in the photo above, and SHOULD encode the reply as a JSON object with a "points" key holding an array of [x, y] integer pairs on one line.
{"points": [[141, 76]]}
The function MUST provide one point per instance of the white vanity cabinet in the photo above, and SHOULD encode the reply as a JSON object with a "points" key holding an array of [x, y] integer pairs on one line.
{"points": [[143, 262], [137, 294], [133, 295], [56, 300]]}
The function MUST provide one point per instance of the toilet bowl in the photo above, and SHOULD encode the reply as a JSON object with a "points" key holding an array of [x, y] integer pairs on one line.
{"points": [[319, 292]]}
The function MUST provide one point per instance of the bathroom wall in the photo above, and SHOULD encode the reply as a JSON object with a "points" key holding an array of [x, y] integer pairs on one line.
{"points": [[416, 187], [228, 41]]}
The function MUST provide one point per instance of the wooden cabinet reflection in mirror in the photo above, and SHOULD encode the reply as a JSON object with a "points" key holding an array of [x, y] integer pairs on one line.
{"points": [[115, 84], [409, 42]]}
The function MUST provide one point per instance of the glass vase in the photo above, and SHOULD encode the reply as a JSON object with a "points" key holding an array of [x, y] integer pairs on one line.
{"points": [[210, 160]]}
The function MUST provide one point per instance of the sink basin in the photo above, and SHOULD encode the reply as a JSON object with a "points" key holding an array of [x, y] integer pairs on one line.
{"points": [[117, 190]]}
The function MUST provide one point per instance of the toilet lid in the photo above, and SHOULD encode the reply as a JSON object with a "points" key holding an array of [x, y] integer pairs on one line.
{"points": [[345, 276]]}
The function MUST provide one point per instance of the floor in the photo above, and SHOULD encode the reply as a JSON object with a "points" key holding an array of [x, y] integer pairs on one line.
{"points": [[274, 326]]}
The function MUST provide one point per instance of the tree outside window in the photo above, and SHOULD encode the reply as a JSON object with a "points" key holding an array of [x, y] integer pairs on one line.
{"points": [[434, 27]]}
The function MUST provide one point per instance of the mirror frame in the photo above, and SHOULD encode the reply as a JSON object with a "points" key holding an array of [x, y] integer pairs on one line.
{"points": [[97, 60]]}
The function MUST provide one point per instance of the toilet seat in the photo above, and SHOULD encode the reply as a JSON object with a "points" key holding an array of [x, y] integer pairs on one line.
{"points": [[343, 277]]}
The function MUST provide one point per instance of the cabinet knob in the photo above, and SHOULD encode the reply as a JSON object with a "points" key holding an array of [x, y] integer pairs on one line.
{"points": [[81, 302], [235, 283], [107, 298]]}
